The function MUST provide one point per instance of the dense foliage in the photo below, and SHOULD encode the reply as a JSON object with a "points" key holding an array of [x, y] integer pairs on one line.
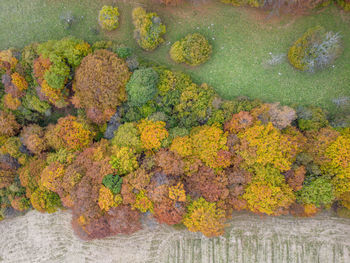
{"points": [[148, 29], [108, 18], [176, 151], [315, 50], [194, 49]]}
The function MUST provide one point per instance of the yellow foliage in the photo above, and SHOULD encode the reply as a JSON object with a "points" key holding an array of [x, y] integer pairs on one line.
{"points": [[264, 144], [143, 203], [152, 133], [11, 102], [177, 193], [205, 217], [19, 81], [105, 199], [182, 146]]}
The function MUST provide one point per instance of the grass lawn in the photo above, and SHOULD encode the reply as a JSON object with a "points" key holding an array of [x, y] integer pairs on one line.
{"points": [[241, 42]]}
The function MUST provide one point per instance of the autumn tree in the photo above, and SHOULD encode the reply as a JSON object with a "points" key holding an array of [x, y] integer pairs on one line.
{"points": [[205, 217], [99, 85]]}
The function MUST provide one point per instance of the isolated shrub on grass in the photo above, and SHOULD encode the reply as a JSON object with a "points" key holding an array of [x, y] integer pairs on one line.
{"points": [[108, 18], [148, 29], [142, 86], [193, 50], [99, 85], [315, 50]]}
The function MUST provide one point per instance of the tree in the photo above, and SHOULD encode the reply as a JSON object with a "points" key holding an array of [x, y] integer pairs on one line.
{"points": [[142, 86], [152, 134], [8, 124], [69, 133], [99, 85], [268, 193], [205, 217], [33, 137]]}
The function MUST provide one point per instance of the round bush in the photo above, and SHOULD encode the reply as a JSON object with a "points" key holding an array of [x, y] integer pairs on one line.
{"points": [[193, 50], [108, 18], [314, 50], [148, 29], [142, 86]]}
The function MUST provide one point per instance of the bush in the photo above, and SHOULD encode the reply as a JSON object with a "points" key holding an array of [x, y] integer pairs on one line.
{"points": [[148, 29], [345, 4], [108, 18], [315, 50], [193, 50], [99, 85], [142, 86]]}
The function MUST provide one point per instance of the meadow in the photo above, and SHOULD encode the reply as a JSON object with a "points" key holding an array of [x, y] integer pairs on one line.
{"points": [[243, 41]]}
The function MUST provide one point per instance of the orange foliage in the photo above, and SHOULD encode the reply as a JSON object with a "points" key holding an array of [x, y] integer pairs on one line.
{"points": [[152, 133], [239, 121], [69, 133], [33, 137], [11, 102], [177, 192], [99, 85], [8, 124]]}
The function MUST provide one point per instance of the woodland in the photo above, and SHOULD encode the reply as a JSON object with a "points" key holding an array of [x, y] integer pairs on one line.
{"points": [[112, 133]]}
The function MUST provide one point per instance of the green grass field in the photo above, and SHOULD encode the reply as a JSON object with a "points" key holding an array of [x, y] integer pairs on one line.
{"points": [[241, 44]]}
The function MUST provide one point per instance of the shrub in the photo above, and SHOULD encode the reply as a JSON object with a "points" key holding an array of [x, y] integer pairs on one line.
{"points": [[319, 192], [148, 29], [205, 217], [316, 49], [142, 86], [345, 4], [99, 85], [193, 50], [108, 18]]}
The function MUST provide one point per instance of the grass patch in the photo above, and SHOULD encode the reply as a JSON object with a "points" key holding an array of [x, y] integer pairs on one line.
{"points": [[241, 44]]}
